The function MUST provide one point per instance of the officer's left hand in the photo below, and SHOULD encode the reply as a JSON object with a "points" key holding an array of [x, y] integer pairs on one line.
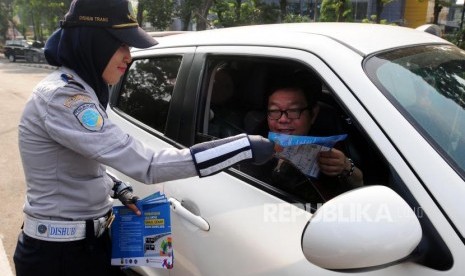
{"points": [[129, 199], [134, 208]]}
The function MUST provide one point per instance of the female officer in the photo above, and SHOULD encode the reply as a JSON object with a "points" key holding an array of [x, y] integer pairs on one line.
{"points": [[66, 139]]}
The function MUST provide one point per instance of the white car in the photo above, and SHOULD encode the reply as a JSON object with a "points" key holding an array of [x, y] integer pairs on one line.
{"points": [[398, 93]]}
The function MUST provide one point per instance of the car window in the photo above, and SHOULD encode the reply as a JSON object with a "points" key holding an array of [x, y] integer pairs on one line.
{"points": [[427, 84], [236, 92], [147, 90], [23, 43]]}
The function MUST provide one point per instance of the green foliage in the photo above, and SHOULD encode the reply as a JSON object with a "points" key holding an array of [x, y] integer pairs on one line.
{"points": [[291, 18], [236, 13], [188, 11], [336, 11], [268, 12], [160, 13], [373, 20], [231, 13], [385, 2], [4, 16], [457, 38], [42, 15]]}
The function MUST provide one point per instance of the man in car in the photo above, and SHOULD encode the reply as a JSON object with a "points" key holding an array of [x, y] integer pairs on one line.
{"points": [[292, 109]]}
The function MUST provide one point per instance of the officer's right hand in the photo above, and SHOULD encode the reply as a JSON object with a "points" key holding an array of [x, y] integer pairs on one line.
{"points": [[262, 149], [214, 156]]}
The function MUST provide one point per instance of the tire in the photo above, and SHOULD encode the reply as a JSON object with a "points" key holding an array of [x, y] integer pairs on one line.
{"points": [[12, 58], [36, 58]]}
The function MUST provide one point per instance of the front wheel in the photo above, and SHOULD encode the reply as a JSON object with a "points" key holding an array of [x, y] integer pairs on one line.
{"points": [[12, 58]]}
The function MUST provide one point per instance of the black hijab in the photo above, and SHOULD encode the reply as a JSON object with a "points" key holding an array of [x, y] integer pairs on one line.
{"points": [[87, 51]]}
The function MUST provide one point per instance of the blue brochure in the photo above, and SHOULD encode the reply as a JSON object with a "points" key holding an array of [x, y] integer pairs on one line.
{"points": [[302, 151], [143, 240]]}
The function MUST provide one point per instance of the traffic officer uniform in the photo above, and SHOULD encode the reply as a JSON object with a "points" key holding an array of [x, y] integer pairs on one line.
{"points": [[64, 137]]}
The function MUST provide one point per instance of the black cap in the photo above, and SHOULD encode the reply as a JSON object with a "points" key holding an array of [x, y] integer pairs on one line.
{"points": [[117, 16]]}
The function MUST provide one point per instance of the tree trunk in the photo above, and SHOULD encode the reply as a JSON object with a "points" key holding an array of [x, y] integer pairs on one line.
{"points": [[283, 8], [436, 11], [340, 11], [140, 12], [379, 10], [237, 10], [185, 21], [202, 15]]}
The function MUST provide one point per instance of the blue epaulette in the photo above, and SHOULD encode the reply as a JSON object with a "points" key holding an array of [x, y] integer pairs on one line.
{"points": [[69, 79]]}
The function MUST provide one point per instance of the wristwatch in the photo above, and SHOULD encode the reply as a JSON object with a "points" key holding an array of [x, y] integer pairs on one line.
{"points": [[348, 173]]}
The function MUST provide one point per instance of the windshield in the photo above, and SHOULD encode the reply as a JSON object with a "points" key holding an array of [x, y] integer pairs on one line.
{"points": [[427, 84]]}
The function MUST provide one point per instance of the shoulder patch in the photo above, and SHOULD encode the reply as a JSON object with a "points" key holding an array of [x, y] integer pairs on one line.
{"points": [[77, 98], [89, 116]]}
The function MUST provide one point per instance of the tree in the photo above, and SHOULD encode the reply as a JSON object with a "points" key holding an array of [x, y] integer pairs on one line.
{"points": [[42, 16], [195, 10], [201, 14], [380, 4], [283, 8], [373, 20], [438, 5], [6, 16], [239, 12], [160, 13], [336, 11], [184, 12], [293, 18], [30, 13], [268, 12], [229, 13], [140, 11], [3, 19]]}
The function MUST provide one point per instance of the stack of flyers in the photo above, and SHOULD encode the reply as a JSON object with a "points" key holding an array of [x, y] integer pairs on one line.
{"points": [[143, 240]]}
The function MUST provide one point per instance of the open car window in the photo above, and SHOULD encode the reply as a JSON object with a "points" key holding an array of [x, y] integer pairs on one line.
{"points": [[235, 92]]}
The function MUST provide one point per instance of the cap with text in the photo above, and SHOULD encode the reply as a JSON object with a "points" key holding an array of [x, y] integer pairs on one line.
{"points": [[117, 16]]}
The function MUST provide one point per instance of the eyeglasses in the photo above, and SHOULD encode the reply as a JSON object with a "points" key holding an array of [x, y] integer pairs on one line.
{"points": [[293, 113]]}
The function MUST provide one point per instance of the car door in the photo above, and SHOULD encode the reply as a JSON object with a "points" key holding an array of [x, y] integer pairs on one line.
{"points": [[143, 105]]}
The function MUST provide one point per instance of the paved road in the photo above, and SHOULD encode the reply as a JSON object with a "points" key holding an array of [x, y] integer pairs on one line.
{"points": [[16, 83]]}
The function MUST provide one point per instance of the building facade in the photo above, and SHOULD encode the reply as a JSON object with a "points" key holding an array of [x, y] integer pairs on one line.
{"points": [[409, 13]]}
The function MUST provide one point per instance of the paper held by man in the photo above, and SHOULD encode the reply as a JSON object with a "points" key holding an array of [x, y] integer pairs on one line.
{"points": [[302, 151]]}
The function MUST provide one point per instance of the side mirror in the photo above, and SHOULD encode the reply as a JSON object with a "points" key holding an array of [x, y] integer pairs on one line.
{"points": [[362, 228]]}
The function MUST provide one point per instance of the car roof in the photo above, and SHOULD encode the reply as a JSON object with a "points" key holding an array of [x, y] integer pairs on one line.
{"points": [[363, 38]]}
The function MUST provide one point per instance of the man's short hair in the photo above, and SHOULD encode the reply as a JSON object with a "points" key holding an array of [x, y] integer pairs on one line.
{"points": [[305, 81]]}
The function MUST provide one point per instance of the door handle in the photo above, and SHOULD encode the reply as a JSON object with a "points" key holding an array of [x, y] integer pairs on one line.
{"points": [[196, 220]]}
